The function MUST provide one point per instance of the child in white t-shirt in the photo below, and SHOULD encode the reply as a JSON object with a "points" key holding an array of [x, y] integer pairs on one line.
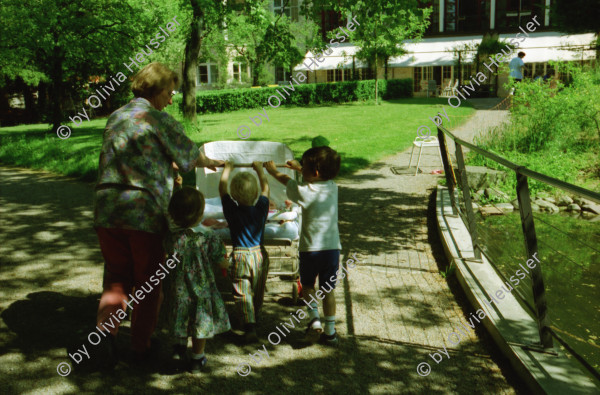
{"points": [[319, 238]]}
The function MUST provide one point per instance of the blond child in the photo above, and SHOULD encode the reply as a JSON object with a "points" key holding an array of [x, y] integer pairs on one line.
{"points": [[319, 238], [246, 221]]}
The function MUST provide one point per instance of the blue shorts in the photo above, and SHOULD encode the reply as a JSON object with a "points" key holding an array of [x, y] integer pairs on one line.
{"points": [[324, 264]]}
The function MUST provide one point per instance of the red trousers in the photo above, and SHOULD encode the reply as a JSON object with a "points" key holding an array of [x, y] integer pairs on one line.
{"points": [[131, 257]]}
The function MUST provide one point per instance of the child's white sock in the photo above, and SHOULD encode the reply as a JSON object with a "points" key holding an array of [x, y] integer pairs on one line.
{"points": [[313, 311], [329, 325], [197, 356]]}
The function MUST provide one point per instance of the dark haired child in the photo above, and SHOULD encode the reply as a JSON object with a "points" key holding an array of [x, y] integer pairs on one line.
{"points": [[319, 238], [196, 307]]}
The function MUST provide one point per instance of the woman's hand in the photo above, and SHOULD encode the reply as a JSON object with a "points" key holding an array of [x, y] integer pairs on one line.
{"points": [[178, 181], [214, 164]]}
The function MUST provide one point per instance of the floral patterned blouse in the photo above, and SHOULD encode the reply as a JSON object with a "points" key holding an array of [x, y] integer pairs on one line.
{"points": [[135, 175]]}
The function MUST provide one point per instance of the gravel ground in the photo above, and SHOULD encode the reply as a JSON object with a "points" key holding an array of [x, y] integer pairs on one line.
{"points": [[394, 308]]}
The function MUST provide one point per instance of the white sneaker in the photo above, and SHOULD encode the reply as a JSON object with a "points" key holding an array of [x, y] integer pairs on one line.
{"points": [[313, 332]]}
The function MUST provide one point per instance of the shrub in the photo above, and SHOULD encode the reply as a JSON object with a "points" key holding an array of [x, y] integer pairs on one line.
{"points": [[550, 113], [554, 129], [302, 95]]}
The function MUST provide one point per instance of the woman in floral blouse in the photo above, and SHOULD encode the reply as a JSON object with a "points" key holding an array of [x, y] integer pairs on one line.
{"points": [[135, 183]]}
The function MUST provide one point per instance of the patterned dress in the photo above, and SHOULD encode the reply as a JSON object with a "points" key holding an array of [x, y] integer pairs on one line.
{"points": [[135, 176], [194, 305]]}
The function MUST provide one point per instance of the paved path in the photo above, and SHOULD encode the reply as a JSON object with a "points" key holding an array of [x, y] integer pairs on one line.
{"points": [[394, 308], [486, 117], [398, 301]]}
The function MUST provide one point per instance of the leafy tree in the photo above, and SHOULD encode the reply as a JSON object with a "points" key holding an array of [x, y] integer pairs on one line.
{"points": [[248, 31], [489, 46], [67, 42], [207, 16], [384, 24], [258, 36]]}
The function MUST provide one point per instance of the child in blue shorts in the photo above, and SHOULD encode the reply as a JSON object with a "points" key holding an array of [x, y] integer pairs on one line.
{"points": [[319, 238]]}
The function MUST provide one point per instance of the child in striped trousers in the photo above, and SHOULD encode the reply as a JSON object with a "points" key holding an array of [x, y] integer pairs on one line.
{"points": [[246, 221]]}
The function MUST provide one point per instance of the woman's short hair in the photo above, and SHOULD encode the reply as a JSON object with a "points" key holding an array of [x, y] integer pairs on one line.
{"points": [[323, 159], [244, 188], [152, 80], [186, 207], [521, 54]]}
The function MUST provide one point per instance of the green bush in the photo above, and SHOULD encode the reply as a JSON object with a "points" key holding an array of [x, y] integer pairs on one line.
{"points": [[547, 114], [554, 130], [303, 95]]}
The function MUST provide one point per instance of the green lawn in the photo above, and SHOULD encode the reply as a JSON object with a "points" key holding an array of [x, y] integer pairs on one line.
{"points": [[361, 132]]}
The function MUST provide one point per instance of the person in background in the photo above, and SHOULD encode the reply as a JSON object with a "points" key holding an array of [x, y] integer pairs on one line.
{"points": [[516, 66], [135, 183]]}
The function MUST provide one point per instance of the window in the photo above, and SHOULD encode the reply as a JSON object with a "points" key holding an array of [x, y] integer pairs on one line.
{"points": [[417, 74], [347, 73], [466, 72], [513, 13], [202, 74], [434, 26], [473, 16], [365, 74], [207, 74], [214, 74], [447, 72], [290, 9], [281, 74], [335, 75], [450, 15], [239, 70], [330, 20]]}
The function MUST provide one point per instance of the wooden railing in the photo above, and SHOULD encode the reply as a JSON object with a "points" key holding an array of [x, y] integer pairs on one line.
{"points": [[522, 189]]}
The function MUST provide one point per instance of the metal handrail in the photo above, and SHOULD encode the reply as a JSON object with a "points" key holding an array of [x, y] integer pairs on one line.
{"points": [[527, 223], [574, 189]]}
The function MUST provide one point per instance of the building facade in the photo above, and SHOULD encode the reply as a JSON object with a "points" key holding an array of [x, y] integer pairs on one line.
{"points": [[445, 54], [444, 58]]}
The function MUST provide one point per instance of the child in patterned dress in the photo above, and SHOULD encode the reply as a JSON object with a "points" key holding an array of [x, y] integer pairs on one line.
{"points": [[196, 308]]}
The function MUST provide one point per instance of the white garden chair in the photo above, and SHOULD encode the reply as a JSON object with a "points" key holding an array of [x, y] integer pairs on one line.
{"points": [[447, 91], [431, 141]]}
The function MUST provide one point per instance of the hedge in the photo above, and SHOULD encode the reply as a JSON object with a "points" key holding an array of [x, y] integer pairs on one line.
{"points": [[303, 95]]}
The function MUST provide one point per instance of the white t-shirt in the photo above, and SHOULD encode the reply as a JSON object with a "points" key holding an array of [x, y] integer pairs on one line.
{"points": [[516, 65], [319, 202]]}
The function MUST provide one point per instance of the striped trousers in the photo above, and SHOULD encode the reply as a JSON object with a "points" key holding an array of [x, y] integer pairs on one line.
{"points": [[249, 271]]}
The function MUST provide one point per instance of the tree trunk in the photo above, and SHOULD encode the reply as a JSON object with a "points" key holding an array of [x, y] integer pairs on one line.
{"points": [[386, 67], [190, 65], [256, 69], [57, 88], [376, 87]]}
